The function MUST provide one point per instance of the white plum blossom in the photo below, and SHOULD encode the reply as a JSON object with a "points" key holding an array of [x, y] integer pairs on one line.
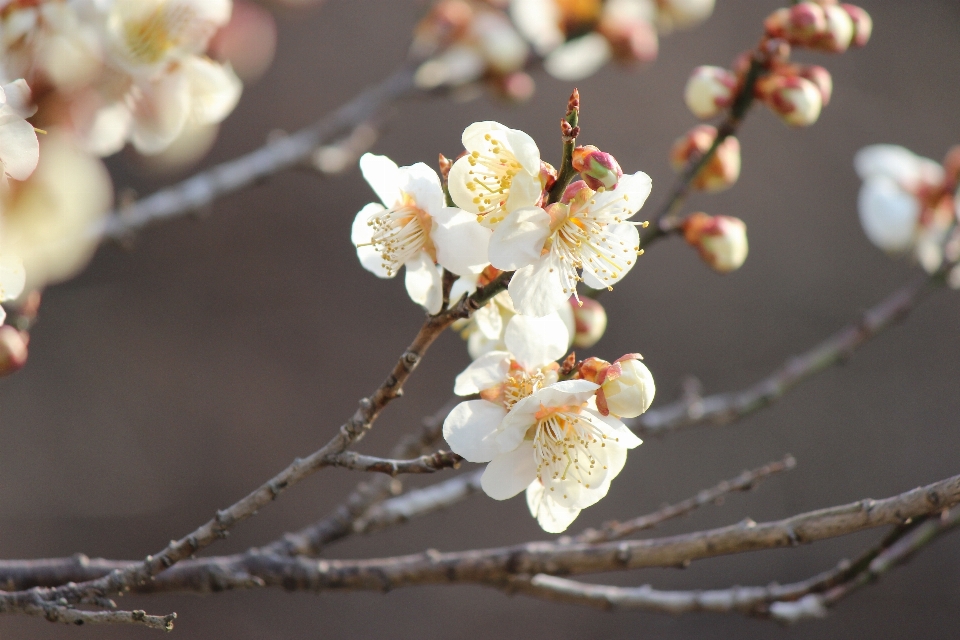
{"points": [[500, 172], [19, 147], [888, 203], [549, 248], [412, 228], [553, 443], [157, 82], [12, 280]]}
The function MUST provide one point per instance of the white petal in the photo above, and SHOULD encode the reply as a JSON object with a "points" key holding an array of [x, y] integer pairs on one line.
{"points": [[470, 429], [612, 458], [538, 21], [624, 235], [214, 89], [889, 160], [614, 428], [361, 234], [524, 149], [509, 473], [635, 187], [535, 342], [518, 240], [489, 321], [461, 242], [422, 183], [160, 114], [12, 278], [579, 58], [537, 290], [552, 517], [457, 182], [889, 215], [424, 281], [383, 176], [525, 191], [483, 373], [109, 130], [19, 147], [472, 137]]}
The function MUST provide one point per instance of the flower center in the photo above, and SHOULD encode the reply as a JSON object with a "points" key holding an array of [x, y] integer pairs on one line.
{"points": [[150, 38], [519, 384], [564, 445], [492, 171], [400, 233]]}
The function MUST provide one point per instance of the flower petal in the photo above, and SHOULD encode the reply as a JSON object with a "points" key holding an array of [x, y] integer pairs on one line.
{"points": [[461, 242], [472, 137], [19, 147], [525, 150], [422, 183], [525, 191], [12, 278], [483, 373], [552, 517], [424, 281], [537, 290], [383, 176], [214, 89], [509, 473], [616, 264], [470, 429], [361, 234], [535, 342], [888, 214], [518, 240], [489, 320], [457, 182], [579, 58]]}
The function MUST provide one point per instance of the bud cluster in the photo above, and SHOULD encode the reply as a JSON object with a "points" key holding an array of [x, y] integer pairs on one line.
{"points": [[824, 25], [722, 169]]}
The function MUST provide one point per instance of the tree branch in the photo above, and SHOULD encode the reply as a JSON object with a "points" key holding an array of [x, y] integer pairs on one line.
{"points": [[726, 407]]}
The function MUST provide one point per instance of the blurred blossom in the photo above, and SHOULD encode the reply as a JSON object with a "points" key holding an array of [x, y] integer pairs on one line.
{"points": [[47, 221], [590, 322], [709, 91], [13, 350], [721, 241], [723, 169], [247, 42], [797, 100], [824, 25], [19, 147]]}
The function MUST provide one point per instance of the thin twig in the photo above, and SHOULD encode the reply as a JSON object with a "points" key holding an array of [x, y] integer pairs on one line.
{"points": [[744, 482], [429, 463], [726, 407]]}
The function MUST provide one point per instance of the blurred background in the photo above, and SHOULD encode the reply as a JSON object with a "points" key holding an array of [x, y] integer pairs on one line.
{"points": [[169, 380]]}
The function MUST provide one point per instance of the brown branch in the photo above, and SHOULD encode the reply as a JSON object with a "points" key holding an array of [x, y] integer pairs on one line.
{"points": [[744, 482], [68, 615], [501, 567], [726, 407], [429, 463]]}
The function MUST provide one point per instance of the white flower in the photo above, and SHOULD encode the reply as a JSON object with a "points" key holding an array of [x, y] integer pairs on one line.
{"points": [[19, 147], [579, 58], [499, 174], [888, 204], [548, 249], [12, 280], [554, 438], [413, 228], [683, 13]]}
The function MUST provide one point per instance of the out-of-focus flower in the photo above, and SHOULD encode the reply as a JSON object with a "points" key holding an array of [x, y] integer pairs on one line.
{"points": [[549, 247], [599, 169], [723, 169], [12, 280], [797, 100], [590, 322], [626, 385], [720, 240], [499, 174], [824, 25], [413, 228], [19, 147], [709, 91], [682, 14], [248, 41], [47, 221], [13, 350]]}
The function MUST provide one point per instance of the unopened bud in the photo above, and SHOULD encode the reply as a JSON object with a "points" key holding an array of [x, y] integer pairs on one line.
{"points": [[820, 77], [445, 164], [723, 169], [597, 168], [796, 100], [548, 176], [13, 350], [590, 322], [626, 385], [709, 91], [720, 240], [862, 24], [631, 39], [574, 190], [839, 32], [825, 26]]}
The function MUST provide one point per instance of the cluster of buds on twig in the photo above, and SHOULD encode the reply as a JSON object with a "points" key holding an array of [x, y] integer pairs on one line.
{"points": [[795, 92], [911, 204], [722, 168], [465, 41]]}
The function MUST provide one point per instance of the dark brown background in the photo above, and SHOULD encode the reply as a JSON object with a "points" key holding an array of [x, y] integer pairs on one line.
{"points": [[169, 381]]}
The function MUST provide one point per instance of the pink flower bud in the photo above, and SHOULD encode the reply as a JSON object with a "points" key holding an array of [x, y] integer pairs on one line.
{"points": [[590, 322], [796, 100], [13, 350], [839, 33], [720, 240], [807, 21], [633, 40], [574, 190], [777, 24], [630, 392], [862, 24], [723, 169], [548, 175], [597, 168], [710, 90], [820, 77]]}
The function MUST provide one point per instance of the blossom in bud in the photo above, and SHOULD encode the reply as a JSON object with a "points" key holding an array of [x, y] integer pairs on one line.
{"points": [[632, 38], [413, 229], [820, 77], [548, 248], [890, 203], [720, 240], [796, 100], [723, 169], [862, 24], [590, 322], [13, 350], [19, 147], [626, 385], [683, 13], [499, 174], [598, 169], [709, 90], [552, 443]]}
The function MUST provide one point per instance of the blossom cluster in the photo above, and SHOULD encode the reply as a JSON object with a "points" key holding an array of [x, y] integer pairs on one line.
{"points": [[465, 41], [911, 204], [551, 429]]}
